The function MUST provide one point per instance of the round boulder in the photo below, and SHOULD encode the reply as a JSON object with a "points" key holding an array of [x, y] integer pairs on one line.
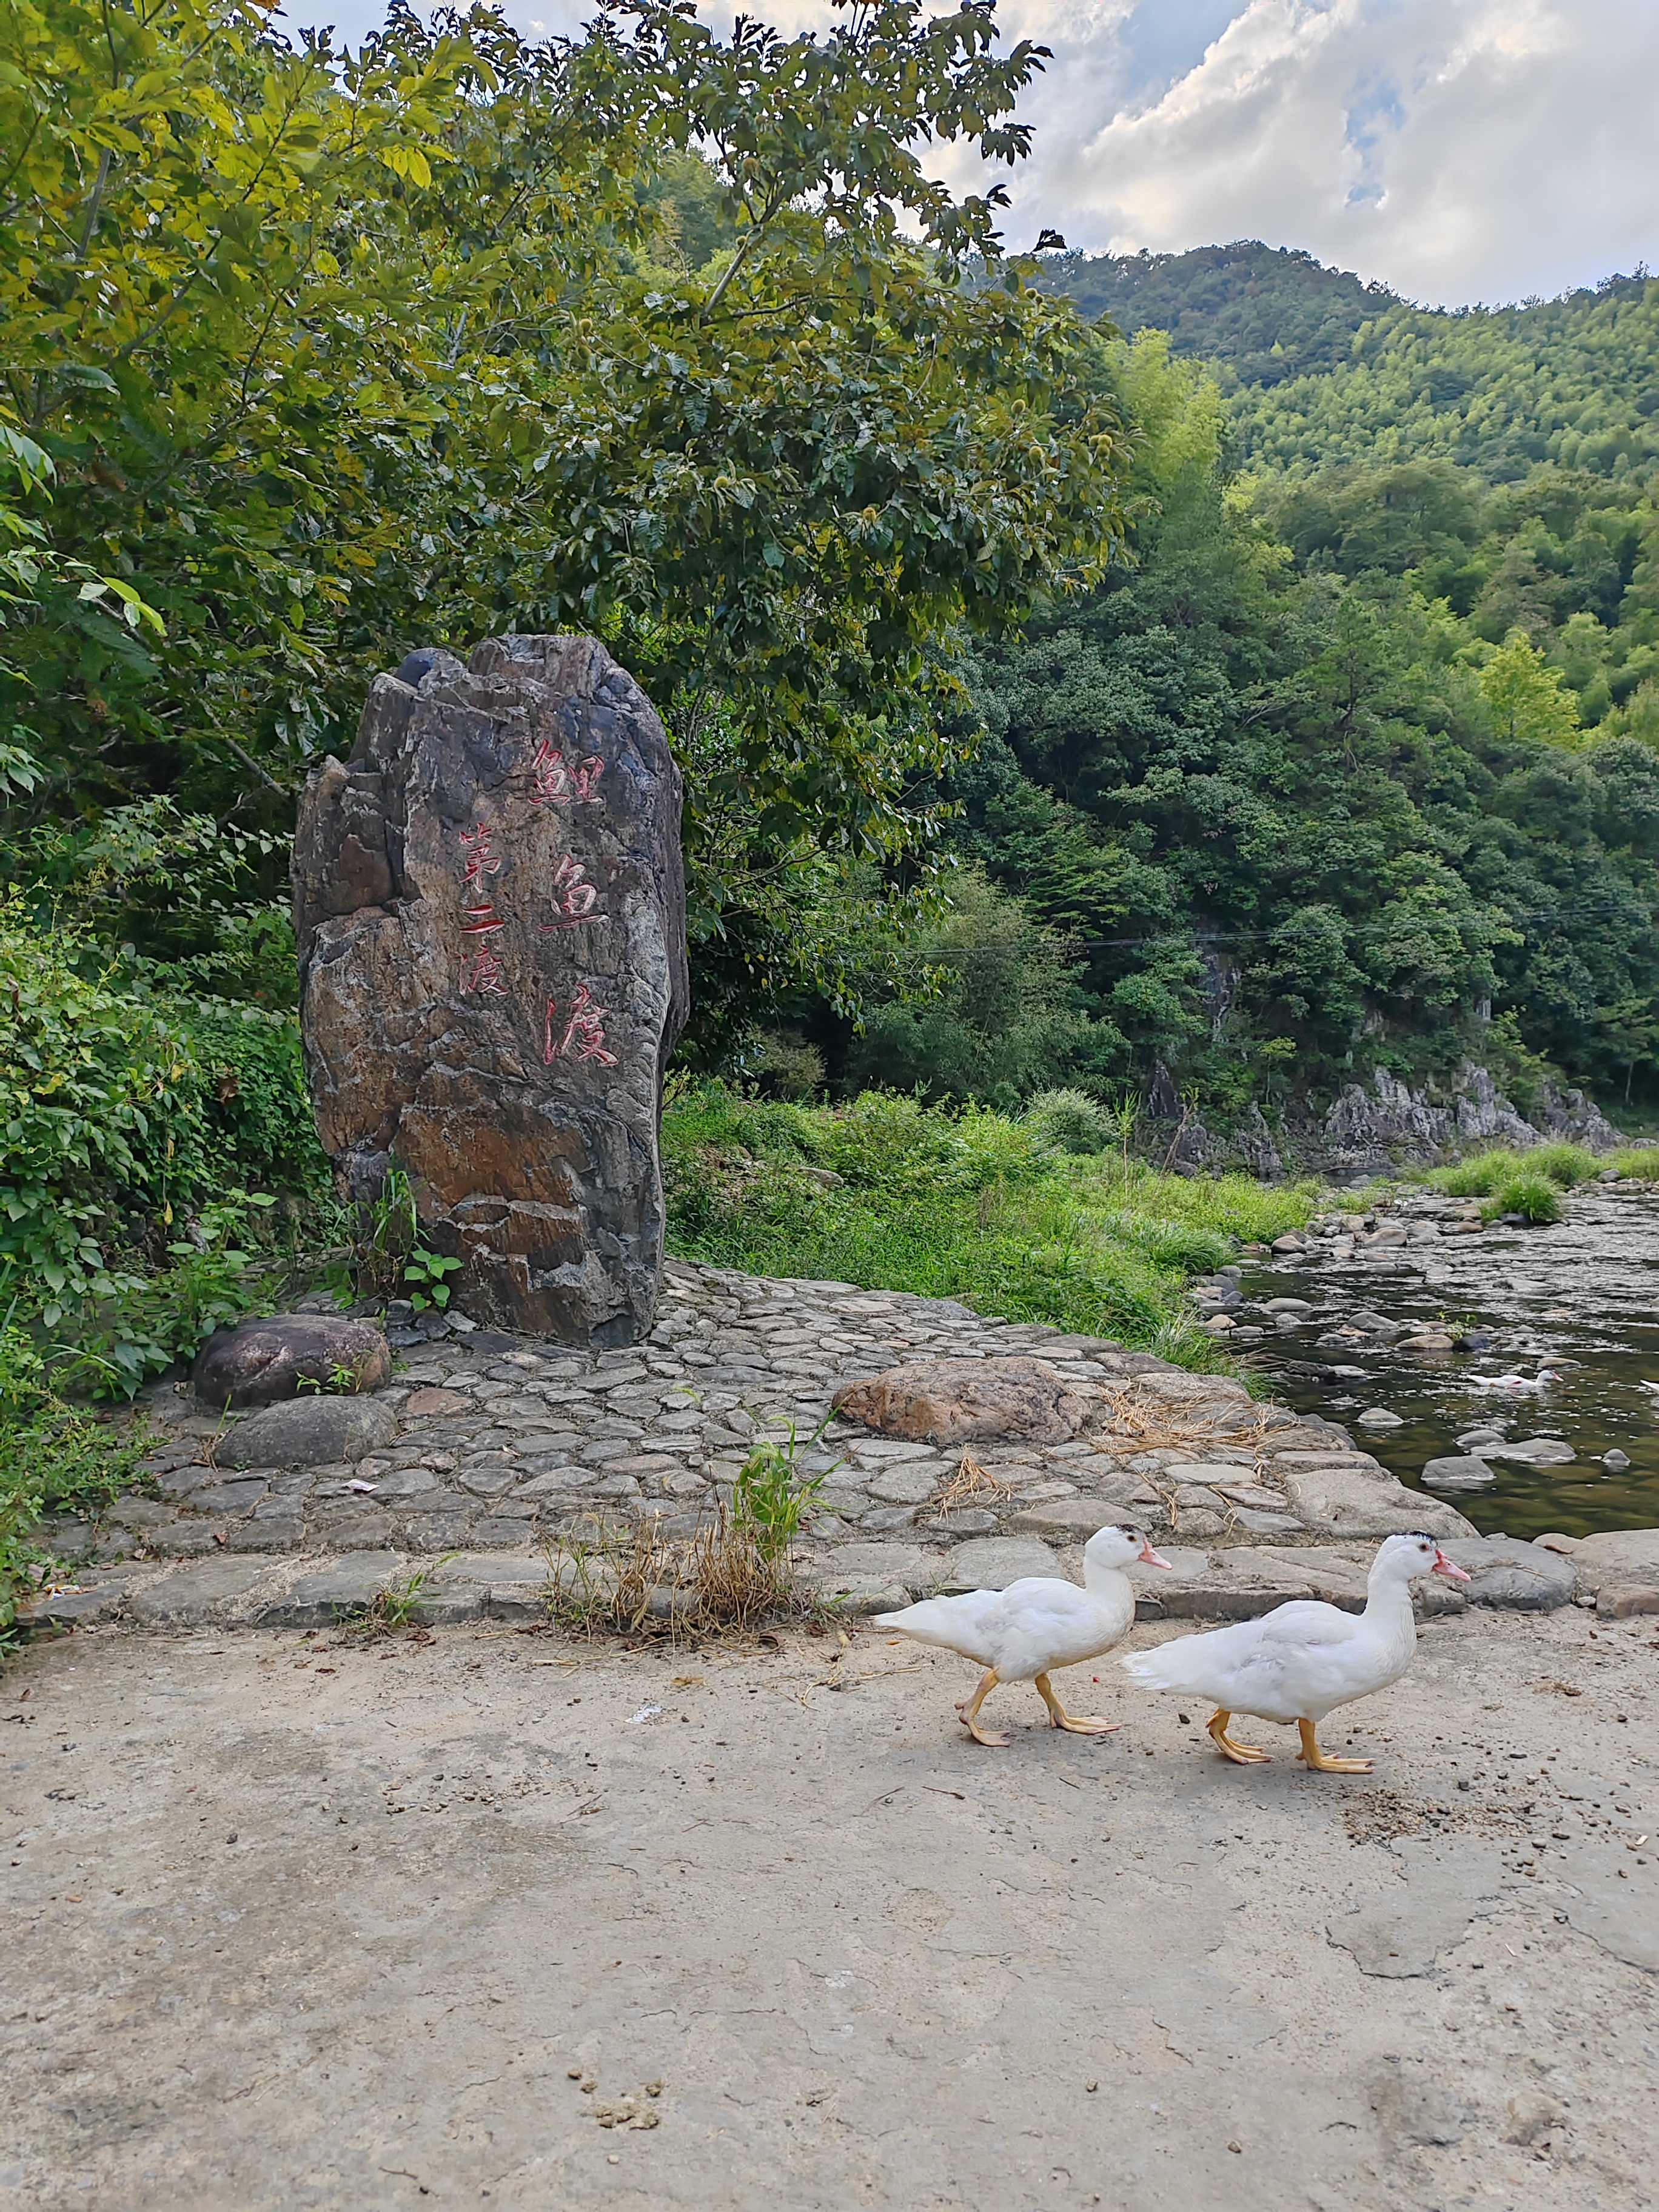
{"points": [[255, 1363]]}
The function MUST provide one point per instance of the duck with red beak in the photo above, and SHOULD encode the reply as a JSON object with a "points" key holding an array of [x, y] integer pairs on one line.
{"points": [[1038, 1623], [1300, 1661]]}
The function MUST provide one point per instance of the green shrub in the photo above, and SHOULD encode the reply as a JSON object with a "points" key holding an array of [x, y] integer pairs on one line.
{"points": [[53, 1460], [1069, 1122], [1488, 1174], [1533, 1196], [1477, 1176], [1641, 1161], [966, 1206], [133, 1127], [93, 1086], [1567, 1166]]}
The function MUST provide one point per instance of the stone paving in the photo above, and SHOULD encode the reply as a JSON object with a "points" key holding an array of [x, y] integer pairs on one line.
{"points": [[486, 1447]]}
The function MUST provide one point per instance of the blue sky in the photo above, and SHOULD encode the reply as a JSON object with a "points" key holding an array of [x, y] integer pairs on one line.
{"points": [[1460, 150]]}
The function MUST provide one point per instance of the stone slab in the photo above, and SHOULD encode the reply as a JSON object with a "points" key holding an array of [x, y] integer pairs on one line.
{"points": [[191, 1595], [1345, 1501], [71, 1608], [1068, 1520], [323, 1599], [994, 1562]]}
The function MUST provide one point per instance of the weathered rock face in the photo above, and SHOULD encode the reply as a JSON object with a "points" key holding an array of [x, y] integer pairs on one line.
{"points": [[255, 1363], [956, 1401], [490, 906], [1386, 1125]]}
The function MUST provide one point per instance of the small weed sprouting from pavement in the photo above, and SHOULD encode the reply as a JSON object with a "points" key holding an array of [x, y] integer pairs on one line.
{"points": [[396, 1607], [601, 1578], [773, 1491]]}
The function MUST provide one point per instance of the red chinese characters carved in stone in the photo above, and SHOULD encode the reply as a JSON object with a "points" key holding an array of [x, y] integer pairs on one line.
{"points": [[573, 897], [582, 1035], [556, 780], [481, 970]]}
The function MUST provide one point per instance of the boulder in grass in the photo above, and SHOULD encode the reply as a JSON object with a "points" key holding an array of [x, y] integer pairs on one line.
{"points": [[256, 1363], [959, 1401]]}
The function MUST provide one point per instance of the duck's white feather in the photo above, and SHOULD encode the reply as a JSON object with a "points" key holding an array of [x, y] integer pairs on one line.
{"points": [[1300, 1661], [1297, 1662], [1035, 1624]]}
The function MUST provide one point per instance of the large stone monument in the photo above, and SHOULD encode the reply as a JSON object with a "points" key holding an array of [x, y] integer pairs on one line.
{"points": [[490, 906]]}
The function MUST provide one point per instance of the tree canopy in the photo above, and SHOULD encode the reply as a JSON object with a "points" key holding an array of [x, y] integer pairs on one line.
{"points": [[323, 355]]}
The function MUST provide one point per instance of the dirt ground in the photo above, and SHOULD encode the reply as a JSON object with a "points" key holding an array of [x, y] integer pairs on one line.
{"points": [[290, 1925]]}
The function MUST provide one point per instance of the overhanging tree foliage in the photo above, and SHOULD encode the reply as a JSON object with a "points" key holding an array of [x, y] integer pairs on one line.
{"points": [[335, 354]]}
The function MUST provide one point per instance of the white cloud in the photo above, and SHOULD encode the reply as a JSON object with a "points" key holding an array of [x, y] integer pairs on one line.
{"points": [[1460, 150]]}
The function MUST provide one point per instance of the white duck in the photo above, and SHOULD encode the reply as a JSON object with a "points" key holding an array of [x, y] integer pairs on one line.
{"points": [[1303, 1660], [1541, 1381], [1039, 1622]]}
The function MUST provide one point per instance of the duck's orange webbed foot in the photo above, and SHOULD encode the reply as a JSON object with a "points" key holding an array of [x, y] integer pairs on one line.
{"points": [[1078, 1723], [1242, 1755], [1320, 1762], [970, 1710]]}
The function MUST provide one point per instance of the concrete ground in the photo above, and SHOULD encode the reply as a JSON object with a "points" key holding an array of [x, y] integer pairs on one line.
{"points": [[295, 1925]]}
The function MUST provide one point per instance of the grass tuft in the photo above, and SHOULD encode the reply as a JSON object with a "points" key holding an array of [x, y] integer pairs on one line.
{"points": [[1534, 1197]]}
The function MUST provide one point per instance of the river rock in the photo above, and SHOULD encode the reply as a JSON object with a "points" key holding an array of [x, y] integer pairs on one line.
{"points": [[308, 1433], [1518, 1576], [1379, 1417], [1537, 1451], [1625, 1600], [490, 907], [1461, 1472], [1353, 1501], [254, 1363], [955, 1401]]}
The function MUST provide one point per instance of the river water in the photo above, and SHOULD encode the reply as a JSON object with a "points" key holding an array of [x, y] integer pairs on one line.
{"points": [[1581, 1296]]}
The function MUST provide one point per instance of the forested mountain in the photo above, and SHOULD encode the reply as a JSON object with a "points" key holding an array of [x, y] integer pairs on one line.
{"points": [[1325, 370], [1352, 761], [1255, 313]]}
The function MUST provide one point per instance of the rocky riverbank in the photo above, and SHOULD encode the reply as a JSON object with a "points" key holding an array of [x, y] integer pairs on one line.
{"points": [[486, 1447], [1381, 1127]]}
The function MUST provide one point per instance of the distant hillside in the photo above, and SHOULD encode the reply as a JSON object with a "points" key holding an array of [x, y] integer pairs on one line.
{"points": [[1263, 313], [1325, 371]]}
